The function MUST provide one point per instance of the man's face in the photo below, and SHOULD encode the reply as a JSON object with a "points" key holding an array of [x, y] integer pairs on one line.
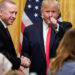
{"points": [[48, 12], [8, 14]]}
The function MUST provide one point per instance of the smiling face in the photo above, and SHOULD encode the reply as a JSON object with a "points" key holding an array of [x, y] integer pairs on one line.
{"points": [[8, 13], [48, 11]]}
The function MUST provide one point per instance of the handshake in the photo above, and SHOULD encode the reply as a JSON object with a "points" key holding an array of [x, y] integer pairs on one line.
{"points": [[25, 62]]}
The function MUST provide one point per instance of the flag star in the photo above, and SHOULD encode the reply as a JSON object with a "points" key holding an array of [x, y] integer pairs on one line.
{"points": [[37, 0], [36, 15], [36, 7], [29, 6]]}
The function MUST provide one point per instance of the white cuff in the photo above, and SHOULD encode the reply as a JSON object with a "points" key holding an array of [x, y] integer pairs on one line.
{"points": [[57, 28]]}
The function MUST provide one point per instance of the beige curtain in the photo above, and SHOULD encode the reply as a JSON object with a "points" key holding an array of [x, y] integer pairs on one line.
{"points": [[68, 10]]}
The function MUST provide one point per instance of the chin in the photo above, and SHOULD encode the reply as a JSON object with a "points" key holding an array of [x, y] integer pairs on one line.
{"points": [[48, 22], [10, 23]]}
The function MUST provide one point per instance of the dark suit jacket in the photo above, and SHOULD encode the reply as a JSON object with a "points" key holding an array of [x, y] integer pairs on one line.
{"points": [[68, 68], [7, 47], [33, 45]]}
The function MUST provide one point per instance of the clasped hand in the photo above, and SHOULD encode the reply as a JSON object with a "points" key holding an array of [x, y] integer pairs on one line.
{"points": [[25, 62]]}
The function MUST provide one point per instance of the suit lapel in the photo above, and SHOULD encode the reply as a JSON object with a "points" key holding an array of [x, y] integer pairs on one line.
{"points": [[4, 31], [52, 41], [52, 37], [7, 38], [41, 41]]}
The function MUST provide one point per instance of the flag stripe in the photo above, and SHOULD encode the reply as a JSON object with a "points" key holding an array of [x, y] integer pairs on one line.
{"points": [[26, 20], [22, 26]]}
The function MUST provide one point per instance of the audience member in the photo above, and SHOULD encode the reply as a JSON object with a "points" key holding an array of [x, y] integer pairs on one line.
{"points": [[64, 62], [8, 11]]}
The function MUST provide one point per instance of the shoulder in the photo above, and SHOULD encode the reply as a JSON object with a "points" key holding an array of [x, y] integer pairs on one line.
{"points": [[71, 68], [33, 26], [69, 64], [65, 23], [68, 68]]}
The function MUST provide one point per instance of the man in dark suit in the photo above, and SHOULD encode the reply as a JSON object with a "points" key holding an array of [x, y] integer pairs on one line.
{"points": [[8, 11], [33, 53]]}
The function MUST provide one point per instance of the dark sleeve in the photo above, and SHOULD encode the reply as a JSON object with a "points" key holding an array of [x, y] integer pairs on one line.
{"points": [[14, 60], [25, 44], [63, 27], [7, 52], [16, 63]]}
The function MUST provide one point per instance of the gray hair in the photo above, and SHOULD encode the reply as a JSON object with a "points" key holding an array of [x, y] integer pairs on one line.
{"points": [[2, 3], [47, 3]]}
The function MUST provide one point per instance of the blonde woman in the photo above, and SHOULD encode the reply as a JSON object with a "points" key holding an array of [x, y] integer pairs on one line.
{"points": [[64, 62]]}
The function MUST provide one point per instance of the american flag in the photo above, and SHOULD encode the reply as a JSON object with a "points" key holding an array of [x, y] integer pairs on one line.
{"points": [[30, 15]]}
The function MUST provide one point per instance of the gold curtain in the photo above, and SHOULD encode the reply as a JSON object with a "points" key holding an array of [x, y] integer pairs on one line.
{"points": [[68, 10], [15, 28]]}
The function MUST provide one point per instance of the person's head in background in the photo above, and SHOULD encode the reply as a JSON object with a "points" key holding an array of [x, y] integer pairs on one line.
{"points": [[8, 11], [65, 51], [14, 72], [50, 9]]}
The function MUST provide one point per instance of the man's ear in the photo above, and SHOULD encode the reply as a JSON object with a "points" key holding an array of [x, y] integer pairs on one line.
{"points": [[42, 14], [42, 17]]}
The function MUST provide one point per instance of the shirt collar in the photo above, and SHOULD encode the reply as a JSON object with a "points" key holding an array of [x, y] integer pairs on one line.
{"points": [[5, 26], [45, 25]]}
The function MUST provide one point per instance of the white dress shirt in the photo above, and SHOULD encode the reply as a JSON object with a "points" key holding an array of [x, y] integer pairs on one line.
{"points": [[5, 26], [45, 31]]}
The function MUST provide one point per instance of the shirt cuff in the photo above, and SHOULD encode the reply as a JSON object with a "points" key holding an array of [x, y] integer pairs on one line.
{"points": [[57, 28]]}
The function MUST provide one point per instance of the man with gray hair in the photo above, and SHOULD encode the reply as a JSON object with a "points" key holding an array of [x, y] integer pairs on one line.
{"points": [[8, 11]]}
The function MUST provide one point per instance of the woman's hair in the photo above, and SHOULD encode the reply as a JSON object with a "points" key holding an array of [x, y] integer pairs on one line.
{"points": [[47, 3], [65, 51]]}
